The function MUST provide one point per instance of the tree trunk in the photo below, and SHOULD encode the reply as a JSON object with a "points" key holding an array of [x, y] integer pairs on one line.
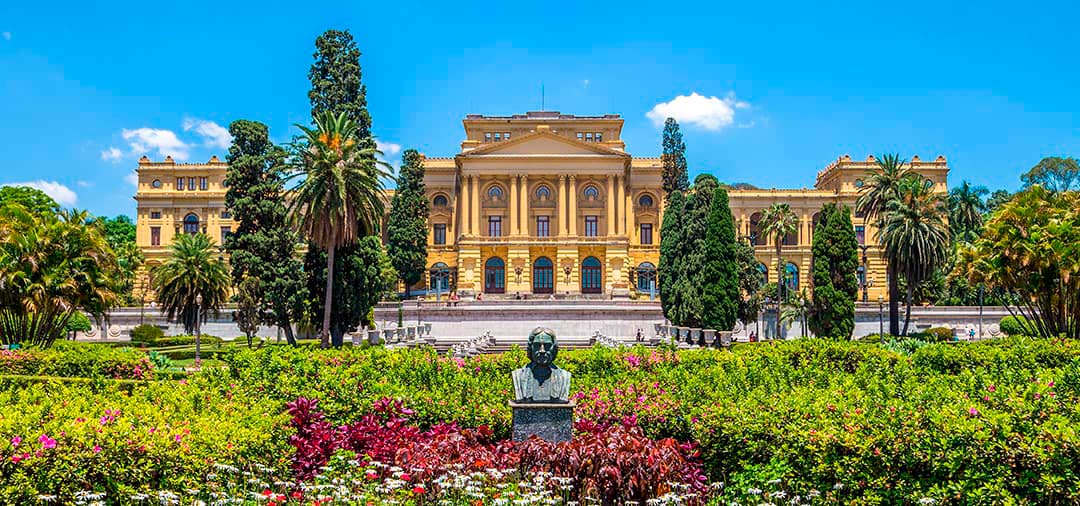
{"points": [[324, 339], [406, 283], [894, 300], [779, 284], [907, 315], [290, 338]]}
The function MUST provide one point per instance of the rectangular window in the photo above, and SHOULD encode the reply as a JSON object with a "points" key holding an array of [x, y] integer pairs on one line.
{"points": [[580, 136], [225, 215], [590, 226], [599, 136], [226, 232], [498, 136], [495, 226], [155, 215], [179, 184], [506, 136], [202, 183], [646, 233], [543, 226], [588, 136], [440, 233], [487, 136], [860, 234], [191, 184], [155, 236]]}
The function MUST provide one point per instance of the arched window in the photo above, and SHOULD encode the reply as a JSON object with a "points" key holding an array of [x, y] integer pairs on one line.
{"points": [[543, 193], [440, 201], [440, 278], [591, 193], [592, 276], [543, 275], [495, 275], [791, 239], [645, 200], [791, 276], [646, 278], [756, 237], [191, 224], [495, 192]]}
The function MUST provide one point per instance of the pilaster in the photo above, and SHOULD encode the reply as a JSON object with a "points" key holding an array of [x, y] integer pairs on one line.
{"points": [[474, 204], [573, 206], [610, 194], [513, 205], [562, 206]]}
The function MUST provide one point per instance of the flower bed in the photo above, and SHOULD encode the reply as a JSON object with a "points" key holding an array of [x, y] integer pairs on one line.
{"points": [[835, 422], [82, 360]]}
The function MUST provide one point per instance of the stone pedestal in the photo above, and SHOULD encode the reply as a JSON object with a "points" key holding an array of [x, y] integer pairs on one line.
{"points": [[552, 422]]}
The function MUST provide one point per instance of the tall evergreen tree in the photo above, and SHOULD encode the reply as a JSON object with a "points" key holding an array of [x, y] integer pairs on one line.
{"points": [[358, 285], [670, 267], [692, 250], [407, 228], [751, 280], [835, 260], [719, 280], [263, 246], [336, 86], [674, 159]]}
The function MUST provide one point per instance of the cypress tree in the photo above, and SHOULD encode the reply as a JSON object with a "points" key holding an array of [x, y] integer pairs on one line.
{"points": [[336, 86], [407, 228], [669, 268], [358, 285], [675, 176], [835, 260], [719, 279], [692, 250], [263, 245]]}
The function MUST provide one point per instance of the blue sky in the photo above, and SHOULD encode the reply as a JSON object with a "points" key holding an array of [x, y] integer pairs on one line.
{"points": [[783, 88]]}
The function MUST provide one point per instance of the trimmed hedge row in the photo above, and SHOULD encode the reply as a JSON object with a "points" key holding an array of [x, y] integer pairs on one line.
{"points": [[74, 359]]}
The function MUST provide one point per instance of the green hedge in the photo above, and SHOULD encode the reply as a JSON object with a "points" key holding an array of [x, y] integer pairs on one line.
{"points": [[1013, 325], [74, 359]]}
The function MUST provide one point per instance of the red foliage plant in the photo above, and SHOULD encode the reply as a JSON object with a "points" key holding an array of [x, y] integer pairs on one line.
{"points": [[608, 462]]}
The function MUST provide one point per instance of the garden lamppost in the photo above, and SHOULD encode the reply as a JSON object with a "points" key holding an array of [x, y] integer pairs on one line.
{"points": [[198, 328]]}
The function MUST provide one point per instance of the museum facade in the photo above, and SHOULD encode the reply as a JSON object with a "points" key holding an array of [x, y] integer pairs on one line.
{"points": [[541, 204]]}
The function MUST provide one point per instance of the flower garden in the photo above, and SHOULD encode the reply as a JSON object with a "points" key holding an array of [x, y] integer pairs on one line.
{"points": [[806, 421]]}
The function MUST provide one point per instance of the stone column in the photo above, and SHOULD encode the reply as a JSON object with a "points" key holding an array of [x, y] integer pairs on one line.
{"points": [[474, 203], [573, 206], [630, 231], [523, 194], [610, 205], [463, 206], [513, 205], [621, 229], [562, 205]]}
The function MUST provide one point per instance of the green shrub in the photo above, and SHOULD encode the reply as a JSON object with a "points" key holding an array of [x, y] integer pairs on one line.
{"points": [[74, 359], [187, 341], [146, 334], [77, 323], [937, 335], [1013, 325]]}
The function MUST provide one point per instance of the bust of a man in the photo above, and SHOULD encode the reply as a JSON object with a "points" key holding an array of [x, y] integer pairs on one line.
{"points": [[541, 380]]}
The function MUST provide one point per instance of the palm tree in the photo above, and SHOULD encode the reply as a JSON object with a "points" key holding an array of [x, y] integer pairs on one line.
{"points": [[881, 186], [779, 221], [191, 270], [51, 266], [340, 194], [966, 209], [914, 234], [798, 310]]}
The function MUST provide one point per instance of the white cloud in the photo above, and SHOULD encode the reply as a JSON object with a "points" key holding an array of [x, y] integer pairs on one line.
{"points": [[83, 184], [60, 193], [389, 149], [111, 155], [6, 35], [710, 113], [165, 142], [132, 178], [213, 134]]}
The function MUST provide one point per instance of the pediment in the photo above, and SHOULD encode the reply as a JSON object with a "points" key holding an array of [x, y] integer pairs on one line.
{"points": [[544, 144]]}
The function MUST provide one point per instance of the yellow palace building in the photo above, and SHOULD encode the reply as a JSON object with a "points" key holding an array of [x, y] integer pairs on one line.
{"points": [[536, 204]]}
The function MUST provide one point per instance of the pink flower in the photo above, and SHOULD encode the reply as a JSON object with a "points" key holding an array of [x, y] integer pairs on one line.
{"points": [[47, 442], [15, 441], [1050, 384], [178, 437], [973, 412], [97, 449], [991, 388]]}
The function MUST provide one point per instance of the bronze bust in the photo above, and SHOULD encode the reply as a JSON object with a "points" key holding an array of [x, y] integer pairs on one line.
{"points": [[541, 380]]}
